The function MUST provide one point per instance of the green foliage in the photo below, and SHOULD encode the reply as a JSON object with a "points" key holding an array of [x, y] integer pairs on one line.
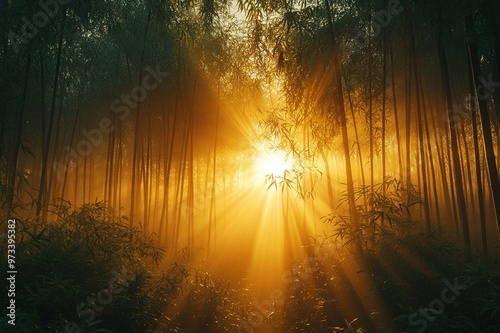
{"points": [[476, 309], [209, 305], [409, 264], [310, 303], [281, 131], [384, 214], [62, 264], [90, 252]]}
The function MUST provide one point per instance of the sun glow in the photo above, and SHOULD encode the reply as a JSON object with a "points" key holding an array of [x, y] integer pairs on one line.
{"points": [[273, 162]]}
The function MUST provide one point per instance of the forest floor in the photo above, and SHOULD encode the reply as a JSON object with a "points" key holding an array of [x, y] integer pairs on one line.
{"points": [[257, 279]]}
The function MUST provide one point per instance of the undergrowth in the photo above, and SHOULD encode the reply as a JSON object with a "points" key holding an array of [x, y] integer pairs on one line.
{"points": [[411, 264], [87, 270]]}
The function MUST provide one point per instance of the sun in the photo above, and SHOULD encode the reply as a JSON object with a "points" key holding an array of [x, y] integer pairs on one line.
{"points": [[273, 162]]}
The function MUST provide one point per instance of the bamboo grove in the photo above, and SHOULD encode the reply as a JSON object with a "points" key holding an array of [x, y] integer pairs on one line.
{"points": [[159, 108]]}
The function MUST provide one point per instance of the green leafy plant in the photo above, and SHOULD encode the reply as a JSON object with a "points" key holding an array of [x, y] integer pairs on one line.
{"points": [[384, 213], [63, 264]]}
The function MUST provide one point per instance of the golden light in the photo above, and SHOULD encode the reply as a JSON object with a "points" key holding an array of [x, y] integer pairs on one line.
{"points": [[273, 162]]}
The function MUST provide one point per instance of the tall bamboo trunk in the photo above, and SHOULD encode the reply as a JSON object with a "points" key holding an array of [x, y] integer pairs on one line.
{"points": [[358, 144], [408, 119], [451, 175], [328, 180], [457, 172], [19, 133], [396, 120], [438, 140], [178, 205], [133, 182], [475, 66], [494, 28], [339, 102], [468, 174], [56, 150], [384, 83], [46, 146], [420, 126], [431, 158], [477, 160], [212, 219], [68, 155], [370, 115]]}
